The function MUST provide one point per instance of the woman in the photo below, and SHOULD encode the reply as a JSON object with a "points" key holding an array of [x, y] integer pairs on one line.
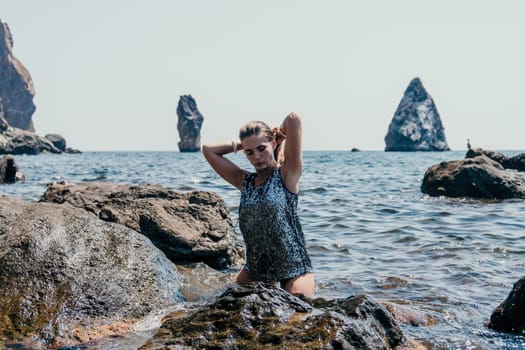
{"points": [[275, 246]]}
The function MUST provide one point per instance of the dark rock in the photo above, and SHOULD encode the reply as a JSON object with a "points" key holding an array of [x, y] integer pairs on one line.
{"points": [[68, 277], [16, 85], [355, 150], [18, 141], [57, 140], [509, 316], [261, 316], [416, 125], [189, 124], [478, 177], [187, 227], [516, 162], [9, 172]]}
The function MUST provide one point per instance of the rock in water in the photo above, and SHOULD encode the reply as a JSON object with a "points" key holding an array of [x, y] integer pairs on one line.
{"points": [[189, 124], [187, 227], [261, 316], [68, 277], [416, 125], [509, 316], [16, 85]]}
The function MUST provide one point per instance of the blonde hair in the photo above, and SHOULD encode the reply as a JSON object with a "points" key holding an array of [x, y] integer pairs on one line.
{"points": [[256, 127]]}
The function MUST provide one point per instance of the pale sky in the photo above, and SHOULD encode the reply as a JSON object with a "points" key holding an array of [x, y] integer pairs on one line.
{"points": [[108, 74]]}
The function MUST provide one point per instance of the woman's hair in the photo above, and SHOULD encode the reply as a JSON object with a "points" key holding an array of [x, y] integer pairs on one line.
{"points": [[256, 127]]}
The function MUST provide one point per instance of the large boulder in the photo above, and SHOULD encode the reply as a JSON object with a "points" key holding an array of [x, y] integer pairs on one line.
{"points": [[68, 277], [187, 227], [16, 85], [478, 177], [416, 125], [509, 316], [189, 124], [261, 316]]}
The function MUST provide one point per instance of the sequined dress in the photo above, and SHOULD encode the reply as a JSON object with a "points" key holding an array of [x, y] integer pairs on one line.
{"points": [[275, 245]]}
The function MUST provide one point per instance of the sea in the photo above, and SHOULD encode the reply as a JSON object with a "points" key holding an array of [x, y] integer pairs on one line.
{"points": [[368, 227]]}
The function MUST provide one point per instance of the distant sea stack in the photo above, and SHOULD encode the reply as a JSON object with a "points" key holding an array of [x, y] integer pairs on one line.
{"points": [[416, 125], [16, 85], [189, 124]]}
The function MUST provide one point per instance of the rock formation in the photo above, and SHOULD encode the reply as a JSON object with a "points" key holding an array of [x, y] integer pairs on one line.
{"points": [[187, 227], [509, 316], [16, 86], [476, 177], [416, 125], [261, 316], [189, 124], [9, 171], [17, 133], [516, 162], [68, 277]]}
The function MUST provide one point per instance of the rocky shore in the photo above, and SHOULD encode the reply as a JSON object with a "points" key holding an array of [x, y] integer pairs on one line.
{"points": [[94, 260]]}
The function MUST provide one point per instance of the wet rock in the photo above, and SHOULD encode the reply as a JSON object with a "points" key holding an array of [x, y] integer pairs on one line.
{"points": [[516, 162], [478, 177], [16, 85], [68, 277], [189, 124], [9, 171], [416, 125], [187, 227], [509, 316], [261, 316]]}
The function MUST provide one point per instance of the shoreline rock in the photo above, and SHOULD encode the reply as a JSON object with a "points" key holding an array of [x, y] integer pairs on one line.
{"points": [[187, 227], [9, 171], [68, 277], [260, 315]]}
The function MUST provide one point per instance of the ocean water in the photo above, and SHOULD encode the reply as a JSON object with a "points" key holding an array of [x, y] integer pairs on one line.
{"points": [[368, 227]]}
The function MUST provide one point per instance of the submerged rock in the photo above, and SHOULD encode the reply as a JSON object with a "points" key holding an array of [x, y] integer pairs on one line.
{"points": [[68, 277], [16, 85], [189, 124], [416, 125], [509, 316], [187, 227], [261, 316]]}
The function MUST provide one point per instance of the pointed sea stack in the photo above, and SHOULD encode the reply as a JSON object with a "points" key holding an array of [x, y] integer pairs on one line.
{"points": [[416, 125], [16, 85], [189, 124]]}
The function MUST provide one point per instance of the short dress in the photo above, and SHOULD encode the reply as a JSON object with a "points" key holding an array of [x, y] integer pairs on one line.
{"points": [[274, 239]]}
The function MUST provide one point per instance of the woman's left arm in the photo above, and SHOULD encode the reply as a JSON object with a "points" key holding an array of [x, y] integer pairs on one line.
{"points": [[292, 167]]}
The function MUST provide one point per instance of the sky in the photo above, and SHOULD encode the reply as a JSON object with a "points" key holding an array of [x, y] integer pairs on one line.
{"points": [[108, 74]]}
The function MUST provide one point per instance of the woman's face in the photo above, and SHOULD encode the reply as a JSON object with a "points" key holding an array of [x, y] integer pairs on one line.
{"points": [[259, 151]]}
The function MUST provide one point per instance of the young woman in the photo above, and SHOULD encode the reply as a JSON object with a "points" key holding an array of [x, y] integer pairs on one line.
{"points": [[275, 245]]}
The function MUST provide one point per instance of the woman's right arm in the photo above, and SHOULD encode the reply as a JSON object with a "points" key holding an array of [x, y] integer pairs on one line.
{"points": [[228, 170]]}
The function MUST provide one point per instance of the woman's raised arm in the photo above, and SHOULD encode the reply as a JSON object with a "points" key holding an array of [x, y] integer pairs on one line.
{"points": [[228, 170], [292, 167]]}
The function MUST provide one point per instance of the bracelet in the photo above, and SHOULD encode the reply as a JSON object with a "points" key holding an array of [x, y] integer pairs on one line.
{"points": [[234, 146]]}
